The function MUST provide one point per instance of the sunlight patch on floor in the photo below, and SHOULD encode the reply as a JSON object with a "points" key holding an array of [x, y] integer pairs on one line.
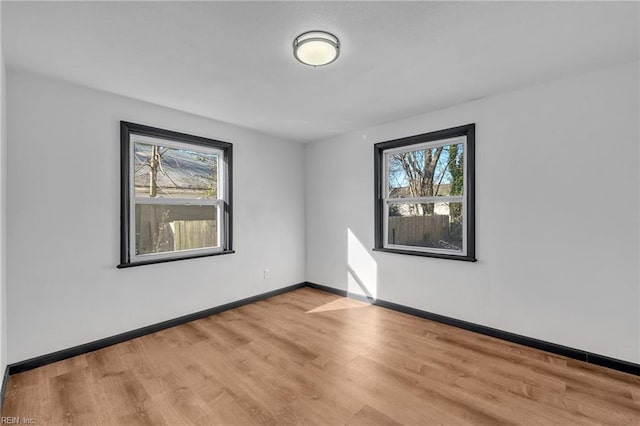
{"points": [[339, 304]]}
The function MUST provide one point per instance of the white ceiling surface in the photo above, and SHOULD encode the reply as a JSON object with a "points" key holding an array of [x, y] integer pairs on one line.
{"points": [[233, 61]]}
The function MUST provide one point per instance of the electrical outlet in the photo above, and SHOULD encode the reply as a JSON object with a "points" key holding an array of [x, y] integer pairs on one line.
{"points": [[267, 274]]}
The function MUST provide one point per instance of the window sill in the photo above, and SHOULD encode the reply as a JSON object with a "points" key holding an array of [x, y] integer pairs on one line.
{"points": [[426, 254], [171, 259]]}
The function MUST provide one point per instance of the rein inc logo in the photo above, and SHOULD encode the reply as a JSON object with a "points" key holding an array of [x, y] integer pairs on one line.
{"points": [[17, 421]]}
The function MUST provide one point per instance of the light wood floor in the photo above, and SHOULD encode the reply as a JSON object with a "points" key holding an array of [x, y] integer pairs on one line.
{"points": [[309, 357]]}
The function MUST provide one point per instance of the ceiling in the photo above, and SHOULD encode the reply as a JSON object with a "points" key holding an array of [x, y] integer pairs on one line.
{"points": [[233, 61]]}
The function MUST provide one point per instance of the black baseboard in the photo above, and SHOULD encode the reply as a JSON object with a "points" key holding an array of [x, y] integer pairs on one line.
{"points": [[581, 355], [3, 389], [339, 292], [29, 364]]}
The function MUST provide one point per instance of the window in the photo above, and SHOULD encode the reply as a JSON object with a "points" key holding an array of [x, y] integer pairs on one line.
{"points": [[176, 196], [425, 194]]}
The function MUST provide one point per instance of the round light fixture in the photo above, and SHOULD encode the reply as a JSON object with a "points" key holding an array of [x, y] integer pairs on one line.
{"points": [[316, 48]]}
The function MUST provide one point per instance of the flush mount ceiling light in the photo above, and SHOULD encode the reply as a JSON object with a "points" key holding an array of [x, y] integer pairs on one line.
{"points": [[316, 48]]}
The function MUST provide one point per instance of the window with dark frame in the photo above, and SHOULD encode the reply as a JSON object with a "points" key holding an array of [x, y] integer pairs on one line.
{"points": [[175, 196], [424, 194]]}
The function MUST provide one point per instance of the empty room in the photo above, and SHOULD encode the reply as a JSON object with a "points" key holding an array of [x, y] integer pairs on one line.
{"points": [[320, 213]]}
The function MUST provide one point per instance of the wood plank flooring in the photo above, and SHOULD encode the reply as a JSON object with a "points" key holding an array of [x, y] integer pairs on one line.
{"points": [[309, 357]]}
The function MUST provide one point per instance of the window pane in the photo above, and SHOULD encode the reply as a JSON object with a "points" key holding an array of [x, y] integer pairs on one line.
{"points": [[433, 225], [174, 173], [165, 228], [429, 172]]}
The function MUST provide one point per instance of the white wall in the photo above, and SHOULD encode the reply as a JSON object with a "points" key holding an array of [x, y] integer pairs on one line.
{"points": [[558, 188], [64, 226], [557, 175]]}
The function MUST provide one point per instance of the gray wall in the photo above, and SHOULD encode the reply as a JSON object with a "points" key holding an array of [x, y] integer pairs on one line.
{"points": [[64, 220], [557, 215], [3, 215]]}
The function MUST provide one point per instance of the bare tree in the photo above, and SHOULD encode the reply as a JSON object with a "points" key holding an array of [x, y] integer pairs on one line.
{"points": [[155, 233], [421, 174]]}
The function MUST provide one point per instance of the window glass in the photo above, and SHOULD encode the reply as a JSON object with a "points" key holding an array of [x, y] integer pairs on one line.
{"points": [[164, 228], [430, 225], [176, 173], [428, 172]]}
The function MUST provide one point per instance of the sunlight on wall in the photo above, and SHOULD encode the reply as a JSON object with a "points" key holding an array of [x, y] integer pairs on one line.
{"points": [[362, 269]]}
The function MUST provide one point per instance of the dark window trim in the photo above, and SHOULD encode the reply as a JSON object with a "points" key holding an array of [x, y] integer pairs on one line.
{"points": [[126, 129], [467, 130]]}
